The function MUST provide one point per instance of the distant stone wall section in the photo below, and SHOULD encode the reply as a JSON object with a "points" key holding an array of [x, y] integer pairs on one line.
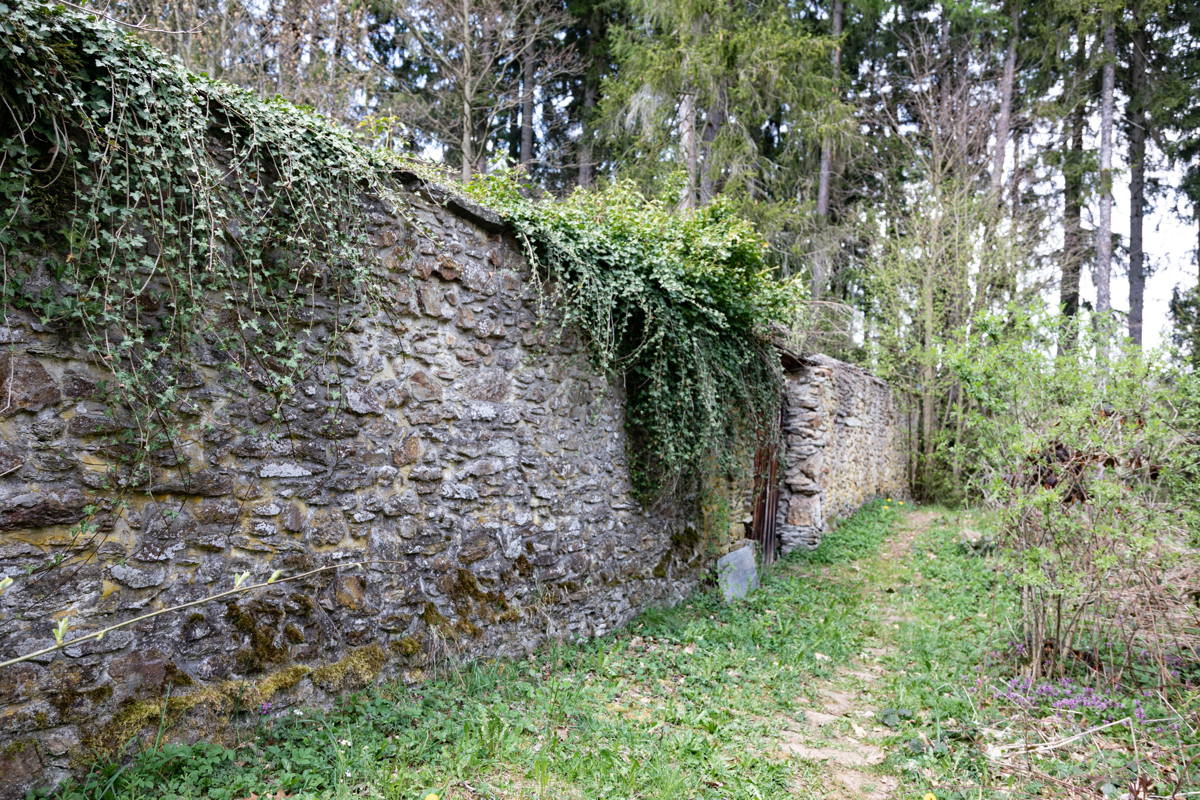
{"points": [[844, 443], [474, 455]]}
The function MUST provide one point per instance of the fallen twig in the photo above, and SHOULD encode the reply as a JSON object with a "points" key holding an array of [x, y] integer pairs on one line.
{"points": [[997, 752]]}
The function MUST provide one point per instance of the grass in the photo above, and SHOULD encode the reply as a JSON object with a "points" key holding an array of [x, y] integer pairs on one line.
{"points": [[685, 702], [691, 702], [952, 697], [954, 607]]}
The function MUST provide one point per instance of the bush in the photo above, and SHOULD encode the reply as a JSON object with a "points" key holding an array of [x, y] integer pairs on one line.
{"points": [[1091, 459]]}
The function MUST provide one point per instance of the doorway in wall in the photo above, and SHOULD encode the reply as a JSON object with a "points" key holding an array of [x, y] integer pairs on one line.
{"points": [[763, 524]]}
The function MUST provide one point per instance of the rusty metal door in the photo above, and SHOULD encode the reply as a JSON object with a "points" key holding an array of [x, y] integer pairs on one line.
{"points": [[766, 499]]}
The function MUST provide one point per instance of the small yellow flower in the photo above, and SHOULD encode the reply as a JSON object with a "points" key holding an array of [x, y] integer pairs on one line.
{"points": [[902, 503], [432, 796], [929, 796]]}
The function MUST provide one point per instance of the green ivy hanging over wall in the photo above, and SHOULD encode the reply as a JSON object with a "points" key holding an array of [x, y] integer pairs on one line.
{"points": [[679, 303], [166, 215], [177, 222]]}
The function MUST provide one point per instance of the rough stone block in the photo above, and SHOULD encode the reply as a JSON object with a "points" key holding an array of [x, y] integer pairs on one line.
{"points": [[38, 509], [25, 385], [737, 573]]}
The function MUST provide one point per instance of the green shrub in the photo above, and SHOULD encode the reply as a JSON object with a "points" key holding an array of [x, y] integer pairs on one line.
{"points": [[1091, 459]]}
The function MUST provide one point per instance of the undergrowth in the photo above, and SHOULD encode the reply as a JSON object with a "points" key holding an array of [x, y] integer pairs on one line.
{"points": [[683, 703], [963, 712]]}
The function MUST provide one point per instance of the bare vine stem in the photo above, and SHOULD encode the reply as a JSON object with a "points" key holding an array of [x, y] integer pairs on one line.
{"points": [[102, 632]]}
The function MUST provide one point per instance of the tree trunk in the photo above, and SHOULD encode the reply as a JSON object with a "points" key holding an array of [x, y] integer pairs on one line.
{"points": [[691, 152], [1004, 118], [468, 151], [1103, 270], [585, 141], [1014, 187], [1072, 254], [928, 392], [820, 264], [595, 55], [825, 176], [512, 135], [713, 122], [1137, 179], [527, 108]]}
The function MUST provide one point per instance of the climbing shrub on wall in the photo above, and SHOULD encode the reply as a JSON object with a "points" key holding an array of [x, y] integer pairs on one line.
{"points": [[171, 219], [677, 303]]}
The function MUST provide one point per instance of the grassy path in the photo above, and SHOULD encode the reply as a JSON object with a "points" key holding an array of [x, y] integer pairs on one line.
{"points": [[840, 726], [789, 694]]}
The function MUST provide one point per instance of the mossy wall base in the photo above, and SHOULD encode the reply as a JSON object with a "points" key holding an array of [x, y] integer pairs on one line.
{"points": [[457, 441]]}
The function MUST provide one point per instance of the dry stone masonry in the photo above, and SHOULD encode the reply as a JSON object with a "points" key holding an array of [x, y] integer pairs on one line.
{"points": [[843, 444], [475, 457], [464, 449]]}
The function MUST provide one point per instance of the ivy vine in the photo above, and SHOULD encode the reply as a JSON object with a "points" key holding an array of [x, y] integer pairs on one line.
{"points": [[180, 223], [173, 220], [680, 304]]}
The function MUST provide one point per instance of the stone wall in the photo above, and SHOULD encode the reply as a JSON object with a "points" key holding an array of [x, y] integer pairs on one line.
{"points": [[456, 443], [475, 458], [844, 443]]}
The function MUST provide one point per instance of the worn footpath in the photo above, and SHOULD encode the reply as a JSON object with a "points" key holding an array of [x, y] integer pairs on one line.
{"points": [[839, 727]]}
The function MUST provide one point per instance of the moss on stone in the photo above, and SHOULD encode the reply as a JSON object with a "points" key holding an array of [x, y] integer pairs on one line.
{"points": [[261, 648], [281, 680], [132, 719], [432, 617], [509, 615], [468, 628], [65, 698], [304, 603], [473, 601], [293, 634], [174, 676], [408, 646], [357, 669], [13, 748], [685, 547], [135, 717]]}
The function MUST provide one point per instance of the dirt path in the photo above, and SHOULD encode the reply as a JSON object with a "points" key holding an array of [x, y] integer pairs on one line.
{"points": [[840, 726]]}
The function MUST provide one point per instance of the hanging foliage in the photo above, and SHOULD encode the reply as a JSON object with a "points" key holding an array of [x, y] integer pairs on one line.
{"points": [[168, 217], [677, 303], [179, 223]]}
